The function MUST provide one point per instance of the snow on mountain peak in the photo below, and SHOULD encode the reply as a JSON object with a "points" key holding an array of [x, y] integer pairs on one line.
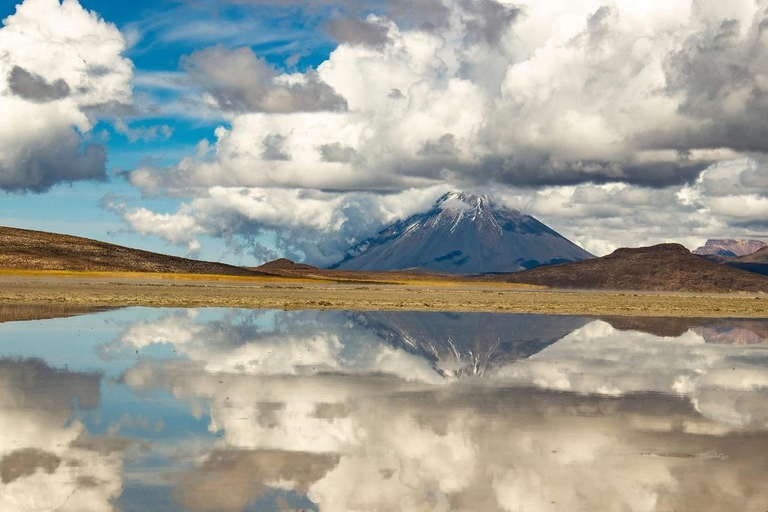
{"points": [[463, 233], [463, 201]]}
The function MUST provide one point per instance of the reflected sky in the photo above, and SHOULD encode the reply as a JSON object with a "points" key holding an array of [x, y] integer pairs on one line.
{"points": [[260, 410]]}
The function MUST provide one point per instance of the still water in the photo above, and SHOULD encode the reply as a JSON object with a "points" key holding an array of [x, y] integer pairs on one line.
{"points": [[258, 410]]}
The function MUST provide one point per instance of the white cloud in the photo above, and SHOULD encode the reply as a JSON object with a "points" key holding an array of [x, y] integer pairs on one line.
{"points": [[559, 96], [58, 62], [311, 225]]}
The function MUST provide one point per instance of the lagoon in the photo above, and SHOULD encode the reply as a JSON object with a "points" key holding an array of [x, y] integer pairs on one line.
{"points": [[259, 410]]}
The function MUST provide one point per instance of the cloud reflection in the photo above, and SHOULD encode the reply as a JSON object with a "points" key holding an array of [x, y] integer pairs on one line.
{"points": [[342, 412], [47, 459]]}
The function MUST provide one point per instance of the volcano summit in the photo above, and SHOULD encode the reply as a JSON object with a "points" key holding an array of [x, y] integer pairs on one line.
{"points": [[463, 234]]}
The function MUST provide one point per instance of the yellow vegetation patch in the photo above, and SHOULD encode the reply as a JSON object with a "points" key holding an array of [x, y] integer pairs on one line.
{"points": [[156, 275], [254, 279]]}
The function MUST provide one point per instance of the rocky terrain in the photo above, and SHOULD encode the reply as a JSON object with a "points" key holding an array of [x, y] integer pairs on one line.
{"points": [[463, 234], [22, 249], [667, 267]]}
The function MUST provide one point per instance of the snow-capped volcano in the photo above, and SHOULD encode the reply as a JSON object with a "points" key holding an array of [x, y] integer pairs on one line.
{"points": [[463, 234]]}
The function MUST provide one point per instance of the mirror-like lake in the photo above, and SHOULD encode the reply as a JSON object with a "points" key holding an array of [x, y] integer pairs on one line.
{"points": [[259, 410]]}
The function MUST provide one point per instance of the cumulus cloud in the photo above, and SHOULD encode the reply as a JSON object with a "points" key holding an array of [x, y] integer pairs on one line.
{"points": [[58, 64], [238, 80], [610, 121], [143, 133], [308, 225]]}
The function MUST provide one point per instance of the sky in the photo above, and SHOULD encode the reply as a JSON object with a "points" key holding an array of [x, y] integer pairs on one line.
{"points": [[245, 130]]}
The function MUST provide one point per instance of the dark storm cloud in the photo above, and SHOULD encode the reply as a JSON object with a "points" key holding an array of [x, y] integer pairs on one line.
{"points": [[543, 170], [336, 152], [240, 81], [490, 19], [273, 148], [44, 165], [444, 146], [356, 31], [719, 72], [34, 87], [425, 14]]}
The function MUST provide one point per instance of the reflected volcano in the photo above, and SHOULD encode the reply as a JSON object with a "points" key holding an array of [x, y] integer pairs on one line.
{"points": [[462, 344]]}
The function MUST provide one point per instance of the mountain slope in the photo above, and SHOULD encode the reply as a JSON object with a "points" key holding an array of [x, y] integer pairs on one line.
{"points": [[756, 262], [759, 256], [23, 249], [463, 234], [667, 267]]}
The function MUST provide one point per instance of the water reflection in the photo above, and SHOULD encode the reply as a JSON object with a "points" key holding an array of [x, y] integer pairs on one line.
{"points": [[23, 312], [230, 410], [48, 461]]}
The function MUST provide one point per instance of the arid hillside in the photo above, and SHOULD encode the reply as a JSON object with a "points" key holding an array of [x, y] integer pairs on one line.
{"points": [[664, 267], [23, 249]]}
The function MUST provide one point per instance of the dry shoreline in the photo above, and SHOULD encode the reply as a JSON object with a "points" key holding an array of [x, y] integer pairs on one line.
{"points": [[155, 292]]}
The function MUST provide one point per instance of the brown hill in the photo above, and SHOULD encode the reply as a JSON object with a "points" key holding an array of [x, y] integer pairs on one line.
{"points": [[23, 249], [283, 264], [664, 267], [287, 268]]}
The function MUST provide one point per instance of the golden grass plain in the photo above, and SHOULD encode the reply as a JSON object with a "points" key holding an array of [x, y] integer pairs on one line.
{"points": [[121, 289]]}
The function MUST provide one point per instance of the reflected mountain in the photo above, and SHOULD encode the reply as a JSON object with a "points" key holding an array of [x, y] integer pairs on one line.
{"points": [[468, 343], [415, 345]]}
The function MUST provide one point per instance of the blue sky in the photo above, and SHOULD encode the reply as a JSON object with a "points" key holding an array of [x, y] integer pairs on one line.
{"points": [[252, 129], [165, 32]]}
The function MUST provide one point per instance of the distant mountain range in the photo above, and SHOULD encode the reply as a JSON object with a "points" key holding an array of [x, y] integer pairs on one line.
{"points": [[730, 254], [729, 247], [463, 234]]}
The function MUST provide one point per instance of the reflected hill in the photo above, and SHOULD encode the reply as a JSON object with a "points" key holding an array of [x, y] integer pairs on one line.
{"points": [[723, 331], [24, 312], [468, 343]]}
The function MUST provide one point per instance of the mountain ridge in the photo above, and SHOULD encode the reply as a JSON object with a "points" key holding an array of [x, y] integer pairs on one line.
{"points": [[729, 247]]}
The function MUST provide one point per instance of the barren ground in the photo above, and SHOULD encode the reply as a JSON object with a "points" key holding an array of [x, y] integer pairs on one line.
{"points": [[94, 292]]}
